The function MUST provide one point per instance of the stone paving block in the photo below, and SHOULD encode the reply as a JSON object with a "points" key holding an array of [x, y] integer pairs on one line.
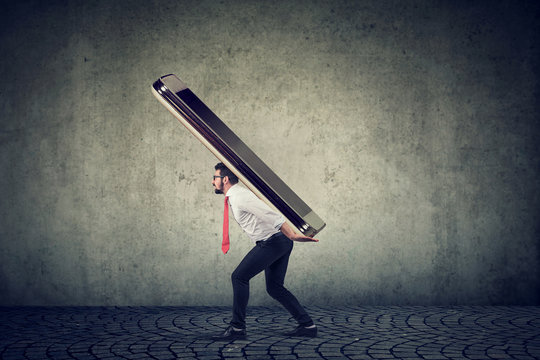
{"points": [[83, 355], [382, 356], [434, 357], [359, 357], [344, 333]]}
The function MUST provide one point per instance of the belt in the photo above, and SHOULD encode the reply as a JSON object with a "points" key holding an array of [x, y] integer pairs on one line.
{"points": [[271, 237]]}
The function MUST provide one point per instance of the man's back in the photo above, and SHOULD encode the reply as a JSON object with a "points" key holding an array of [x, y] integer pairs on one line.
{"points": [[254, 216]]}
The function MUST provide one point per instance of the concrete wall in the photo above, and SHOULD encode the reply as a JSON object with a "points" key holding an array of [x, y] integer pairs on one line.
{"points": [[409, 127]]}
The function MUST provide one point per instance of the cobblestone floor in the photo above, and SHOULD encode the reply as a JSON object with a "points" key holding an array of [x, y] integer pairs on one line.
{"points": [[344, 333]]}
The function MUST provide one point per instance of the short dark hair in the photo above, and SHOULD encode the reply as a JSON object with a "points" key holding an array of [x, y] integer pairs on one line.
{"points": [[224, 171]]}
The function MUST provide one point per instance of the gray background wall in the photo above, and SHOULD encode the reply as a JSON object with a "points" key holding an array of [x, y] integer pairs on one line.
{"points": [[410, 127]]}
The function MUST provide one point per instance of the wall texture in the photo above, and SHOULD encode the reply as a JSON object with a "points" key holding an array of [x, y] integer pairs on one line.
{"points": [[410, 127]]}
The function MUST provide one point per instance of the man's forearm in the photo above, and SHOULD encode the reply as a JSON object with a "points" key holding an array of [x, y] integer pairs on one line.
{"points": [[287, 231]]}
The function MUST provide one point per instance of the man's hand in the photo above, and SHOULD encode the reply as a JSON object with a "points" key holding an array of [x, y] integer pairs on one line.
{"points": [[302, 238], [291, 234]]}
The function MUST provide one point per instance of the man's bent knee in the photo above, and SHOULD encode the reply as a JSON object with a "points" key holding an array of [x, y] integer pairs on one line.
{"points": [[237, 278], [275, 291]]}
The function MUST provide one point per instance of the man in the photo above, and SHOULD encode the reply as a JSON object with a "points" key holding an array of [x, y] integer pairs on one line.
{"points": [[273, 245]]}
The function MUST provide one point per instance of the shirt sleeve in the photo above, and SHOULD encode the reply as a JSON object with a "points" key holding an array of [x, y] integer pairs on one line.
{"points": [[262, 211]]}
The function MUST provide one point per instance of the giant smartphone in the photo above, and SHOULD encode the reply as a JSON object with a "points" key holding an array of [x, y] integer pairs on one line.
{"points": [[236, 155]]}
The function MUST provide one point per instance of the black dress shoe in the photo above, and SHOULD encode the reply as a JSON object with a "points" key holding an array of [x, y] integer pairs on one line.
{"points": [[231, 334], [303, 331]]}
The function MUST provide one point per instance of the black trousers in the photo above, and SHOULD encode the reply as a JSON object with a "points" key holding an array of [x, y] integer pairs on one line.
{"points": [[272, 256]]}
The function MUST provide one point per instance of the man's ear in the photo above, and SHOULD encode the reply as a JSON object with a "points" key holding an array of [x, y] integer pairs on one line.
{"points": [[226, 177]]}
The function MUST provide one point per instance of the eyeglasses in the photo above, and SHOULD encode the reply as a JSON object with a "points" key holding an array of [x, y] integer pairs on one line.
{"points": [[217, 176]]}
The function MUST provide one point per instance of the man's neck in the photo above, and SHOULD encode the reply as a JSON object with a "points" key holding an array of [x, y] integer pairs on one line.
{"points": [[227, 188]]}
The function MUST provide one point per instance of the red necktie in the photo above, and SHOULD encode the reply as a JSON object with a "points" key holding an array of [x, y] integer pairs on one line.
{"points": [[225, 243]]}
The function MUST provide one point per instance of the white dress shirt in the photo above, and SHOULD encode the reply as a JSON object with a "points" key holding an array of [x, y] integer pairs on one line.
{"points": [[255, 217]]}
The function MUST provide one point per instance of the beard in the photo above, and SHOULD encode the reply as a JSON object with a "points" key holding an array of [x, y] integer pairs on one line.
{"points": [[217, 191]]}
